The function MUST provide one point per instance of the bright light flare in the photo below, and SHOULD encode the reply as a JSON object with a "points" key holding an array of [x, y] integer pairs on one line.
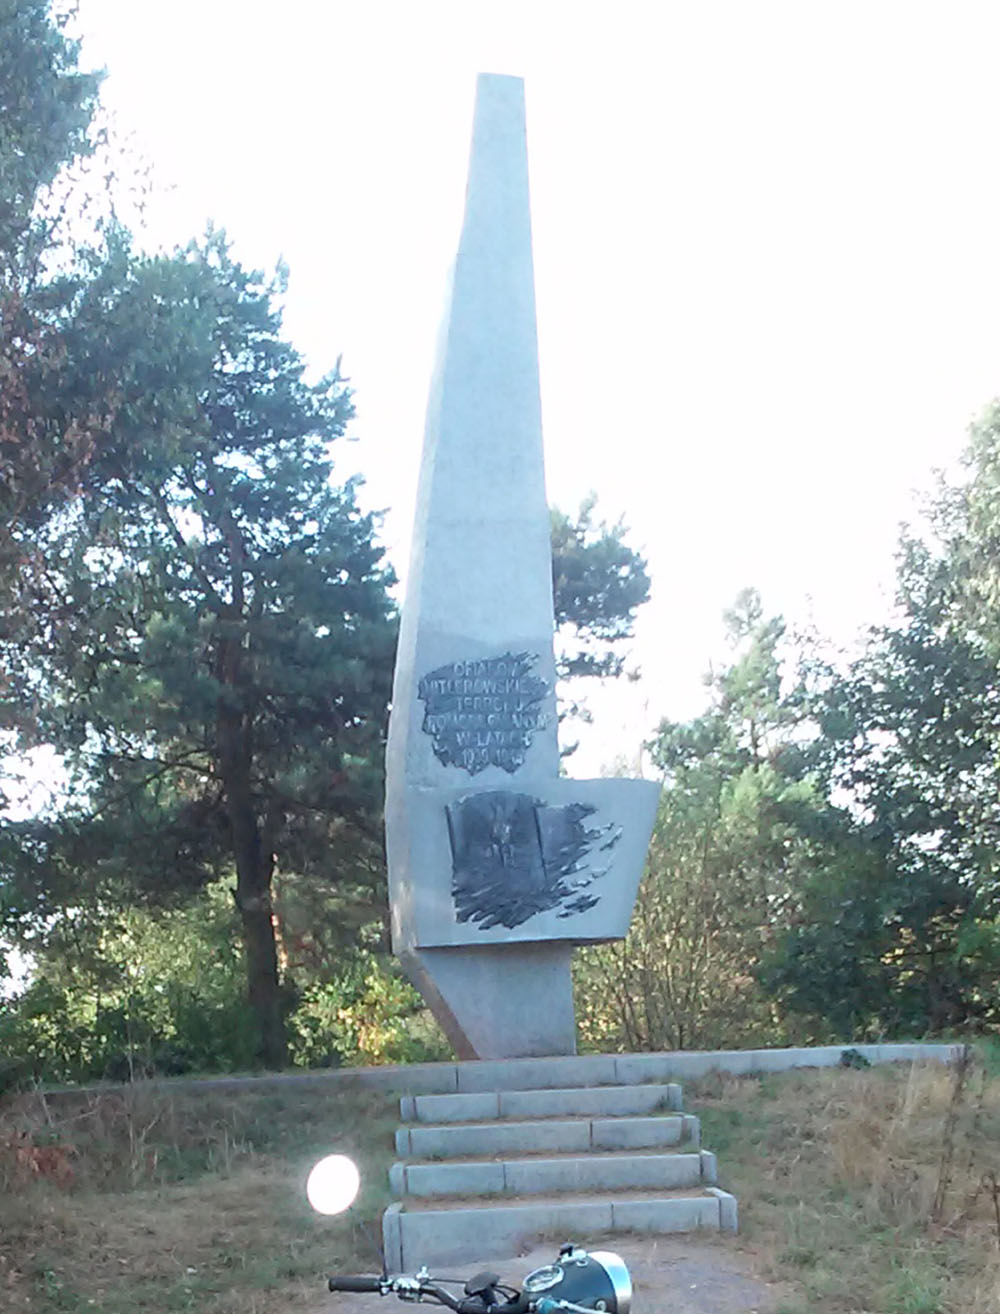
{"points": [[333, 1184]]}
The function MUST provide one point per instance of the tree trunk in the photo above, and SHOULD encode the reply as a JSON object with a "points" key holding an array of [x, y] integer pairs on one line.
{"points": [[254, 868], [254, 858], [262, 976]]}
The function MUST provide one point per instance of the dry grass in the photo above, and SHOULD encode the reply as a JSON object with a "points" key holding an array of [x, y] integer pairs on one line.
{"points": [[150, 1201], [837, 1173], [147, 1200]]}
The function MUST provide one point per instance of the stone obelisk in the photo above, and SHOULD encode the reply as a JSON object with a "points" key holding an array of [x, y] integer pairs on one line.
{"points": [[497, 867]]}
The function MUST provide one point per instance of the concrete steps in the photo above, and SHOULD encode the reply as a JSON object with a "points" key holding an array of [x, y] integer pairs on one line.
{"points": [[482, 1172], [561, 1135], [610, 1101], [542, 1176]]}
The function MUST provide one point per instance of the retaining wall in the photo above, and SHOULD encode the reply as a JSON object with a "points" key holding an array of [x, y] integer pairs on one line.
{"points": [[563, 1071]]}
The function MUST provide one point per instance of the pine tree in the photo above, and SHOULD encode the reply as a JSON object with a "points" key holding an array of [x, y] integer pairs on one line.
{"points": [[213, 638]]}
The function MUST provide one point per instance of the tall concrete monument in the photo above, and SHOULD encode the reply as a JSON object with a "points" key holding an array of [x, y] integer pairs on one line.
{"points": [[497, 867]]}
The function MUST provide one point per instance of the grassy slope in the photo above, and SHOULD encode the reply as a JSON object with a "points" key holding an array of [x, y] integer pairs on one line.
{"points": [[182, 1201], [195, 1202], [837, 1173]]}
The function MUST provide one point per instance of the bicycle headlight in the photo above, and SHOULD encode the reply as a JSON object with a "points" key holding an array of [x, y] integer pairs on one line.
{"points": [[597, 1280]]}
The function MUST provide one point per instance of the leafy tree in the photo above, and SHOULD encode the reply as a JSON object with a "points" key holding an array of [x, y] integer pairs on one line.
{"points": [[145, 991], [741, 819], [967, 524], [213, 637], [153, 991], [908, 940]]}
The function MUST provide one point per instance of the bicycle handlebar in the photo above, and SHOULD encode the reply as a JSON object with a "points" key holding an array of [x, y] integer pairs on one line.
{"points": [[415, 1289], [347, 1282]]}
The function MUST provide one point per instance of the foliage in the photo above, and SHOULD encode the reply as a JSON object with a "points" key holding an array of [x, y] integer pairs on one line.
{"points": [[825, 859], [144, 994], [47, 109], [162, 992], [212, 636], [598, 584], [740, 822], [68, 1033], [368, 1014]]}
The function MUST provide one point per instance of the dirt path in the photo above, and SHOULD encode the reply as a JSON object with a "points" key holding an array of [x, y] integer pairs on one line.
{"points": [[670, 1275]]}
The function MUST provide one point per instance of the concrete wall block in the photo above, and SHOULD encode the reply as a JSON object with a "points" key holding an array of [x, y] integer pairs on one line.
{"points": [[700, 1065], [407, 1108], [456, 1108], [397, 1180], [735, 1062], [637, 1068], [427, 1179], [631, 1068], [918, 1053], [403, 1143], [636, 1133], [676, 1215], [409, 1079], [436, 1237], [496, 1138], [666, 1170], [602, 1173], [626, 1069], [392, 1239], [597, 1101], [537, 1074], [729, 1217], [692, 1130], [542, 1176], [709, 1167], [780, 1060]]}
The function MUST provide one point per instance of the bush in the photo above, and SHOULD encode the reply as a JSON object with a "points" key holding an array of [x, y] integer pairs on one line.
{"points": [[369, 1015], [164, 994]]}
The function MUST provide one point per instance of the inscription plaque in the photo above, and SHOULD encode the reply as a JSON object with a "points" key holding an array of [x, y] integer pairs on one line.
{"points": [[483, 713], [514, 856]]}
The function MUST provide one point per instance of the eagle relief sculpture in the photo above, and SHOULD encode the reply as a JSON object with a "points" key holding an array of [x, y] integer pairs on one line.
{"points": [[513, 856]]}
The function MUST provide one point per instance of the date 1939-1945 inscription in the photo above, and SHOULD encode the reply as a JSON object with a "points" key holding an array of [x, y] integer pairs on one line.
{"points": [[483, 713]]}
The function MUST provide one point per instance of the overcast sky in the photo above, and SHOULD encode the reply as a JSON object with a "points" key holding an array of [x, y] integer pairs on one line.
{"points": [[767, 256]]}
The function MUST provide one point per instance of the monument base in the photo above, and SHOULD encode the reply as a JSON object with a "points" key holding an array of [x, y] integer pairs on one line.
{"points": [[499, 1001]]}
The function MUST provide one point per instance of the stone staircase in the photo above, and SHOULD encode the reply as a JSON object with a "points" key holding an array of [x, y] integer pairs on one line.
{"points": [[482, 1172]]}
